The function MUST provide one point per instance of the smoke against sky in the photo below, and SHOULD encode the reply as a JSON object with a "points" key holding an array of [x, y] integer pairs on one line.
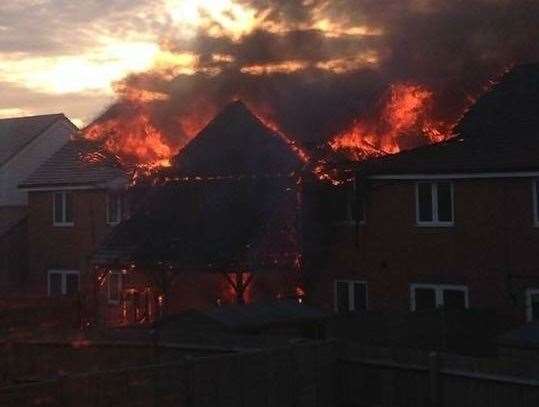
{"points": [[312, 66]]}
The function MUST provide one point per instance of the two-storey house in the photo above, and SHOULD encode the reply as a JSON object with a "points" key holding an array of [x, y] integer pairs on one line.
{"points": [[75, 199], [453, 224], [25, 144]]}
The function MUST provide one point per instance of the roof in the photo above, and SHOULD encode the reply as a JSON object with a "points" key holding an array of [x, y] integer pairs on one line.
{"points": [[236, 142], [16, 133], [11, 216], [500, 133], [79, 162]]}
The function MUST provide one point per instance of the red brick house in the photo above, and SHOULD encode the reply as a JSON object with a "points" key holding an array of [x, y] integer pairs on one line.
{"points": [[452, 224], [75, 199]]}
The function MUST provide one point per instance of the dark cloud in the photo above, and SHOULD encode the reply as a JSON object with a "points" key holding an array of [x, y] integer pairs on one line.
{"points": [[450, 47]]}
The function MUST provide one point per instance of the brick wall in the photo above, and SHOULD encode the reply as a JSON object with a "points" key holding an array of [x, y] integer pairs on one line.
{"points": [[64, 248], [493, 237]]}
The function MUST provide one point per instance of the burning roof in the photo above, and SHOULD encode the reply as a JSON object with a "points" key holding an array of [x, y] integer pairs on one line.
{"points": [[236, 142], [243, 214], [499, 133]]}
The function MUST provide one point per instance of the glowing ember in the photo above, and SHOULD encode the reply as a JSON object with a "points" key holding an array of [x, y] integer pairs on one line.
{"points": [[404, 110]]}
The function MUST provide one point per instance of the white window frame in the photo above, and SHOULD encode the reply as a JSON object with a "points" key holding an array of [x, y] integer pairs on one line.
{"points": [[535, 203], [120, 286], [63, 273], [529, 309], [64, 209], [438, 293], [351, 299], [119, 208], [434, 197]]}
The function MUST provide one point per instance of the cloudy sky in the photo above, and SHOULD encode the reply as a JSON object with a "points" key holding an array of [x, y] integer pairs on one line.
{"points": [[78, 57]]}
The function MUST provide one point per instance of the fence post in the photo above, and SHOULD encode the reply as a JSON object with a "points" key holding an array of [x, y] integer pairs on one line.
{"points": [[434, 379]]}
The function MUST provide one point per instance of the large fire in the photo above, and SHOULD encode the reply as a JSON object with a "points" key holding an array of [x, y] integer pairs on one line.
{"points": [[404, 110]]}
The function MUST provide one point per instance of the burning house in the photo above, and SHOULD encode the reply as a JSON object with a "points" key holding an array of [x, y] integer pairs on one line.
{"points": [[221, 225], [451, 224]]}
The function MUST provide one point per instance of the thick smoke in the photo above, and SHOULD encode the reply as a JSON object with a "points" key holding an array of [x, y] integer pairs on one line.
{"points": [[315, 66]]}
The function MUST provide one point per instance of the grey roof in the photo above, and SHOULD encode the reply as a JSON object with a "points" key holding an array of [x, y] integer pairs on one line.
{"points": [[79, 162], [16, 133]]}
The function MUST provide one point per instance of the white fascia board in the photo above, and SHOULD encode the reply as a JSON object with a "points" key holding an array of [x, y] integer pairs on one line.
{"points": [[479, 175]]}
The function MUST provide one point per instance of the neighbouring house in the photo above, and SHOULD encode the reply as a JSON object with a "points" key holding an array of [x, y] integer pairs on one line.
{"points": [[453, 224], [221, 226], [25, 144], [75, 199]]}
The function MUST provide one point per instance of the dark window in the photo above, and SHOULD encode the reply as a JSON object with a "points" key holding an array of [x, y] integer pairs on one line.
{"points": [[455, 299], [72, 284], [445, 204], [424, 193], [342, 296], [114, 208], [536, 200], [360, 296], [425, 298], [55, 284], [58, 207]]}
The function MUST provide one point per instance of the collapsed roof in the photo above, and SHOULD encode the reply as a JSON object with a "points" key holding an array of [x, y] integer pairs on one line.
{"points": [[499, 133]]}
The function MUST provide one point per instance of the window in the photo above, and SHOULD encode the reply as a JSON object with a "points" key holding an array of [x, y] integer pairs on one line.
{"points": [[115, 208], [434, 203], [431, 296], [115, 282], [62, 282], [63, 209], [535, 200], [532, 304], [350, 296]]}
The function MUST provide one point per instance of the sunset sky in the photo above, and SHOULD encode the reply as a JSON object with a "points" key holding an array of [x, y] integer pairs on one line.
{"points": [[71, 56]]}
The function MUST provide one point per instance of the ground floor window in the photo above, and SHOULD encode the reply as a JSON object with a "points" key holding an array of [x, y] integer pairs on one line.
{"points": [[431, 296], [63, 282], [532, 304], [350, 295]]}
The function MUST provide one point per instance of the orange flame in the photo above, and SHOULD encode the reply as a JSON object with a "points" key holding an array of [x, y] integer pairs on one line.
{"points": [[404, 110]]}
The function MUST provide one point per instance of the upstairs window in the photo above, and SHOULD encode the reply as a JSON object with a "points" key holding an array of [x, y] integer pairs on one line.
{"points": [[431, 296], [350, 296], [63, 209], [532, 304], [62, 282], [434, 203], [115, 208]]}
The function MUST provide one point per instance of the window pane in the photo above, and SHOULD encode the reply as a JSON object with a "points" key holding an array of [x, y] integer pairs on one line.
{"points": [[343, 304], [424, 194], [360, 296], [537, 200], [445, 207], [454, 299], [425, 298], [69, 207], [55, 284], [58, 208], [114, 286], [358, 208], [72, 284], [535, 307]]}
